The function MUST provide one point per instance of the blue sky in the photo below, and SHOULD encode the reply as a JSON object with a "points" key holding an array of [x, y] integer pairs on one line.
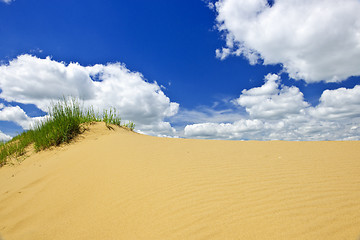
{"points": [[228, 69]]}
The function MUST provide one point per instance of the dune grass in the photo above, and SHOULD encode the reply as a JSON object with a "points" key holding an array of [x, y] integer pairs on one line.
{"points": [[15, 147], [62, 124]]}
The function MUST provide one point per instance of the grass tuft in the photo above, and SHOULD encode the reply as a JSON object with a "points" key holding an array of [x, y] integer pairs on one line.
{"points": [[62, 125], [130, 126]]}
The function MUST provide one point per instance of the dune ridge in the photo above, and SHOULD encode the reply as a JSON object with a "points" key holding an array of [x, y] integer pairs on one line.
{"points": [[116, 184]]}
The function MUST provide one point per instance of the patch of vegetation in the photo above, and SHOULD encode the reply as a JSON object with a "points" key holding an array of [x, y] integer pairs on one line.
{"points": [[62, 124], [15, 147], [130, 126]]}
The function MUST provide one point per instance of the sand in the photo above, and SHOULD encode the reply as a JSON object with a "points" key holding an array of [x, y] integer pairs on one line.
{"points": [[122, 185]]}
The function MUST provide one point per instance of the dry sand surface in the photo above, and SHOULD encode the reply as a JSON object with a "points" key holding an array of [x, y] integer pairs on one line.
{"points": [[122, 185]]}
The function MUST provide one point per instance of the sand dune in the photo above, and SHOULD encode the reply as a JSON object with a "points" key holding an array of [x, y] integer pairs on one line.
{"points": [[122, 185]]}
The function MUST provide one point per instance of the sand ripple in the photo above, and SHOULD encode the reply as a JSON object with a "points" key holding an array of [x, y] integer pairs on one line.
{"points": [[128, 186]]}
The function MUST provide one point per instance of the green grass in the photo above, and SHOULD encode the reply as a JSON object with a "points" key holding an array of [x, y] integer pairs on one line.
{"points": [[63, 124], [15, 147]]}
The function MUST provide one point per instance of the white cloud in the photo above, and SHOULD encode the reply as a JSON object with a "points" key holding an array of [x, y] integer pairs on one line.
{"points": [[270, 130], [17, 115], [7, 1], [159, 129], [278, 112], [271, 102], [31, 80], [238, 130], [209, 4], [135, 98], [314, 40], [338, 104], [4, 137]]}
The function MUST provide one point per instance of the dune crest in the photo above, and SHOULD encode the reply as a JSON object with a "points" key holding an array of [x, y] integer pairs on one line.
{"points": [[116, 184]]}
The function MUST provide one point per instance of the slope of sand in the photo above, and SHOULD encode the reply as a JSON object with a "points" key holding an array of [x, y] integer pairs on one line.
{"points": [[122, 185]]}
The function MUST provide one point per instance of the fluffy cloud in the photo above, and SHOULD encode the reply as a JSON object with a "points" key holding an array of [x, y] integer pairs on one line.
{"points": [[271, 102], [339, 104], [278, 112], [31, 80], [314, 40], [17, 115], [241, 129], [4, 137], [247, 129]]}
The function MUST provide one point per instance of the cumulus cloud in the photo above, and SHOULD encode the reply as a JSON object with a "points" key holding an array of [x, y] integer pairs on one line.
{"points": [[278, 112], [4, 137], [238, 130], [338, 104], [17, 115], [271, 102], [31, 80], [304, 129], [314, 40], [160, 129]]}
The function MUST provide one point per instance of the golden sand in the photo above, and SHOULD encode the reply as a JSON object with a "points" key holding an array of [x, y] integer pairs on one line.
{"points": [[122, 185]]}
